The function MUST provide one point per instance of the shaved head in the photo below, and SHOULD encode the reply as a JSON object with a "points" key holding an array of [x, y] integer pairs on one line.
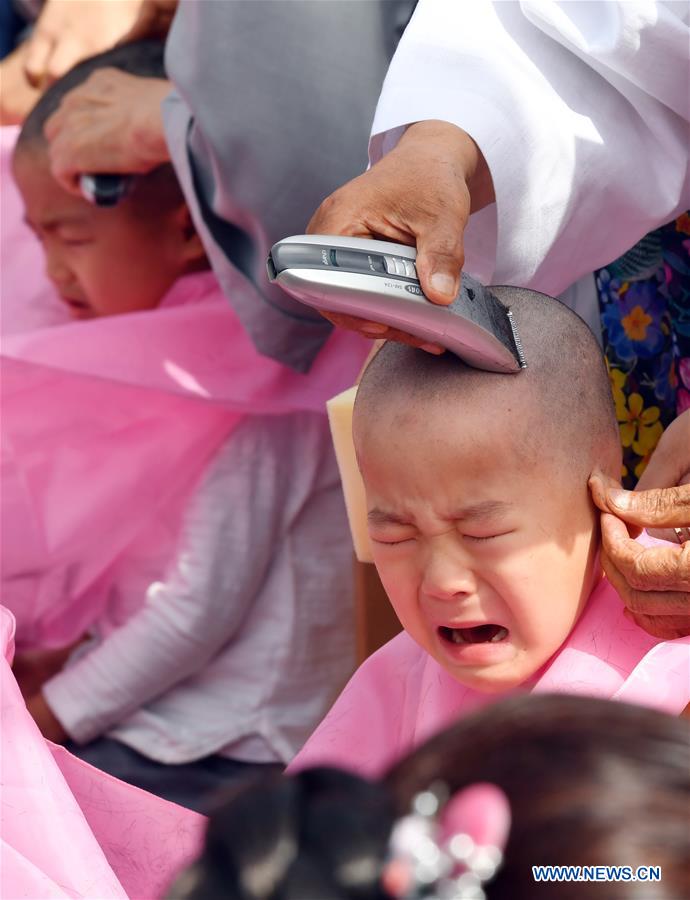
{"points": [[559, 410], [481, 523]]}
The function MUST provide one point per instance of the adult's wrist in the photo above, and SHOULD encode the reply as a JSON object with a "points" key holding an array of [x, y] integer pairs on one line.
{"points": [[148, 133]]}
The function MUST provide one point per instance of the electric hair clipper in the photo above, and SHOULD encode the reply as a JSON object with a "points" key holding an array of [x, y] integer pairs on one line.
{"points": [[104, 190], [377, 280]]}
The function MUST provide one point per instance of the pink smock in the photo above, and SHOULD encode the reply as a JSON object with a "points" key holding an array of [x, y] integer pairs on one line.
{"points": [[69, 830], [107, 425], [401, 696]]}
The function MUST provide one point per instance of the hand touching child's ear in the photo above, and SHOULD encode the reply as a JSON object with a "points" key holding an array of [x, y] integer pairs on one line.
{"points": [[654, 582]]}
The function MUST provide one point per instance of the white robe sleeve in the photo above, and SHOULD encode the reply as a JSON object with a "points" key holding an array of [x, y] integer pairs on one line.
{"points": [[581, 110]]}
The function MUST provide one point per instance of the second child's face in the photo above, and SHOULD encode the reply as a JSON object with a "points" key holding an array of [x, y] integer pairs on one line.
{"points": [[102, 262], [487, 557]]}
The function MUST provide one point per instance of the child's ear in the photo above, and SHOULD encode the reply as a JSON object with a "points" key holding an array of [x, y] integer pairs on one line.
{"points": [[193, 251]]}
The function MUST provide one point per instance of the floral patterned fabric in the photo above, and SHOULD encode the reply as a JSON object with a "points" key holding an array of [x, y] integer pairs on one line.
{"points": [[644, 300]]}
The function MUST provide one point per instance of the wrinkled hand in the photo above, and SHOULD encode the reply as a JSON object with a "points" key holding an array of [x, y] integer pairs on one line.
{"points": [[110, 123], [154, 20], [68, 31], [654, 582], [17, 97], [422, 193], [47, 723]]}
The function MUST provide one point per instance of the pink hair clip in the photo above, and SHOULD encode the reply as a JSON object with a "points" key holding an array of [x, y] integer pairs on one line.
{"points": [[446, 848]]}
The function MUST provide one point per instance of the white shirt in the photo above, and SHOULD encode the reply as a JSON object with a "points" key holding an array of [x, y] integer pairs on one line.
{"points": [[246, 644], [581, 110]]}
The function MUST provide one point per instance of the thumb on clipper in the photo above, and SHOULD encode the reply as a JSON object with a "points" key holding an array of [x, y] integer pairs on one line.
{"points": [[440, 257]]}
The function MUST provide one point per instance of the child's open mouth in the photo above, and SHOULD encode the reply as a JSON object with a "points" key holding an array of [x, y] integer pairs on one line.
{"points": [[78, 308], [478, 634], [487, 644]]}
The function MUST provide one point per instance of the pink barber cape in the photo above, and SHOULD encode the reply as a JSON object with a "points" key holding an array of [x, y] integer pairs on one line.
{"points": [[69, 830], [401, 696], [107, 425]]}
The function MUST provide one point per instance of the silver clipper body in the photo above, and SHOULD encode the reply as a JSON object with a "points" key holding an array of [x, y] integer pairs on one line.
{"points": [[377, 280]]}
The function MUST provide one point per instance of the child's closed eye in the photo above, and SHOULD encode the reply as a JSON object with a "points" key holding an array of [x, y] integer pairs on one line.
{"points": [[391, 540], [480, 538]]}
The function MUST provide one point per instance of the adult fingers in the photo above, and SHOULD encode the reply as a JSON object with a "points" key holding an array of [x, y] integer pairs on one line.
{"points": [[599, 483], [17, 97], [84, 148], [52, 56], [657, 508], [669, 465], [363, 209], [39, 47], [665, 567], [72, 134], [71, 151], [111, 123], [660, 507], [663, 614], [378, 331], [373, 330], [646, 603], [666, 628], [441, 255], [417, 194]]}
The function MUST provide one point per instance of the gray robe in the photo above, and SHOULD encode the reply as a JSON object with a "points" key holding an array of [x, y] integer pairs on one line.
{"points": [[272, 110]]}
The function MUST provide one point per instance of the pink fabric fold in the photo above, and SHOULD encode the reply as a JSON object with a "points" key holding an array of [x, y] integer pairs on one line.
{"points": [[69, 830], [108, 424], [401, 696]]}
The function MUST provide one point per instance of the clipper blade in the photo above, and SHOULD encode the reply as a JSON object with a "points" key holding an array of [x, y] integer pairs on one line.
{"points": [[516, 339]]}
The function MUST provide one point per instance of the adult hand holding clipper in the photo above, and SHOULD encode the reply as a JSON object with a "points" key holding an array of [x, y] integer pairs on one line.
{"points": [[654, 582], [445, 178], [366, 279], [111, 124]]}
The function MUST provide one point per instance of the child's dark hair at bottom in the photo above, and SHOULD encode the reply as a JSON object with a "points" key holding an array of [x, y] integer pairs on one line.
{"points": [[319, 835], [590, 782]]}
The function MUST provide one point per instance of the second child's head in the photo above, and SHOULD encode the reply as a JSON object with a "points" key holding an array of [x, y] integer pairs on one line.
{"points": [[480, 519], [587, 783], [105, 261]]}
